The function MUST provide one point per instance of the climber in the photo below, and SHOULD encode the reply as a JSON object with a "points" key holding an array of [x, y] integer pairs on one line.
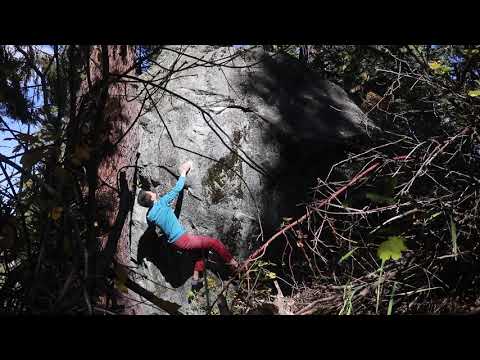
{"points": [[161, 214]]}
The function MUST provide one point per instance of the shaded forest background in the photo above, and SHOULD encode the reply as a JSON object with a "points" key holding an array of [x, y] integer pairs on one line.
{"points": [[393, 228]]}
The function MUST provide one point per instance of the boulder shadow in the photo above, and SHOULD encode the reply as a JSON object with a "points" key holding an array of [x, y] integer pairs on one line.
{"points": [[176, 266], [318, 125], [316, 128]]}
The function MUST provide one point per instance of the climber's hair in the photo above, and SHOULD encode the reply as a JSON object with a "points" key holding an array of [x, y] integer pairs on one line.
{"points": [[144, 199]]}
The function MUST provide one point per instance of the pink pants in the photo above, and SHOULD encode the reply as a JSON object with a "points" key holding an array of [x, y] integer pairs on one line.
{"points": [[196, 242]]}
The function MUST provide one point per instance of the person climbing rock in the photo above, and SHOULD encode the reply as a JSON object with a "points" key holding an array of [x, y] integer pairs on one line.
{"points": [[161, 214]]}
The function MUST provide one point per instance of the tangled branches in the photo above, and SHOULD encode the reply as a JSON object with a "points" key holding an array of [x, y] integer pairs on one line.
{"points": [[427, 197], [422, 192], [430, 199]]}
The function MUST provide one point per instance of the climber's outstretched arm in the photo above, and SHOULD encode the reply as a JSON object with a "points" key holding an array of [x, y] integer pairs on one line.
{"points": [[172, 194]]}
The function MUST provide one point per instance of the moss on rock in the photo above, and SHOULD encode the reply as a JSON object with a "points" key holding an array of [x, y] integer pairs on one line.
{"points": [[222, 174]]}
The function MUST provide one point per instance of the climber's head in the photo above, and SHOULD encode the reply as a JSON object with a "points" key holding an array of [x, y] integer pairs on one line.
{"points": [[146, 198]]}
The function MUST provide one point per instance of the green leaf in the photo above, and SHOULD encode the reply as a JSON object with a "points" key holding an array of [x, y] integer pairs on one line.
{"points": [[474, 93], [434, 216], [347, 255], [391, 248], [390, 303], [348, 294]]}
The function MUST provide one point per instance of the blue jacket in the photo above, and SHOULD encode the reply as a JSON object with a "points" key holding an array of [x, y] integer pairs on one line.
{"points": [[163, 216]]}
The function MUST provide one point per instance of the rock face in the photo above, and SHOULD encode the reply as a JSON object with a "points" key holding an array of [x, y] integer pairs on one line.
{"points": [[268, 131]]}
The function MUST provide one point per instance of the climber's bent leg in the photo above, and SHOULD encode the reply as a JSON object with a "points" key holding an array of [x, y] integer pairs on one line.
{"points": [[197, 242]]}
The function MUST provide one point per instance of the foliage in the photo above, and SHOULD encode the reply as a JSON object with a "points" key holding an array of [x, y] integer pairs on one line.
{"points": [[47, 260], [391, 248], [424, 98]]}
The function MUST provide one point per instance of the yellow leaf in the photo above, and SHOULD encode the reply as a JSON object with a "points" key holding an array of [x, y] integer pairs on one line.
{"points": [[120, 286], [271, 275], [211, 282], [364, 76], [28, 184], [121, 278], [470, 52], [434, 65], [56, 213], [439, 68], [474, 93], [190, 295]]}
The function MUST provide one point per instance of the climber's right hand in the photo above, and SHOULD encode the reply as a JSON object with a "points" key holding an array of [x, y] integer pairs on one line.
{"points": [[185, 168]]}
